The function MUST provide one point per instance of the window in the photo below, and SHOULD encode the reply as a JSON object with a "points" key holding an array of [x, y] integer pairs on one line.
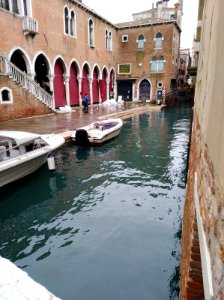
{"points": [[21, 7], [69, 22], [25, 8], [158, 41], [124, 38], [141, 42], [15, 7], [91, 33], [124, 69], [157, 64], [110, 40], [5, 95], [72, 24], [106, 39], [4, 4], [66, 19]]}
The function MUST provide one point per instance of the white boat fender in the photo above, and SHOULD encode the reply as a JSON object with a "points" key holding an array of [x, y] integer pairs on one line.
{"points": [[51, 162]]}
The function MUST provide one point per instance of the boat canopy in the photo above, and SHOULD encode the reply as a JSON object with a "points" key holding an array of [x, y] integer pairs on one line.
{"points": [[19, 137]]}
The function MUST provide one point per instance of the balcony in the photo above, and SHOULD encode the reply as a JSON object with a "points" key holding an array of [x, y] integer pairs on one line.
{"points": [[30, 26]]}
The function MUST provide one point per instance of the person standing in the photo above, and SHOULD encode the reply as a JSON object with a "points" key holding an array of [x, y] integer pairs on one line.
{"points": [[85, 103]]}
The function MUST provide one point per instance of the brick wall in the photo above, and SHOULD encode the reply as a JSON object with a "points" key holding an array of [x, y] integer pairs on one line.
{"points": [[128, 53], [207, 152], [24, 104], [211, 208]]}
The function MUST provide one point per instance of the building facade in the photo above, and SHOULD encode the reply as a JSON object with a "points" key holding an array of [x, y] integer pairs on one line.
{"points": [[52, 60]]}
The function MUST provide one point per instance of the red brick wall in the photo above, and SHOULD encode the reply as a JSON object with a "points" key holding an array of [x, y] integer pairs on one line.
{"points": [[24, 104], [211, 208]]}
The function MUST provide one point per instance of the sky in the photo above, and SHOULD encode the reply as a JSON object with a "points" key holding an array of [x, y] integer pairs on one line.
{"points": [[117, 11]]}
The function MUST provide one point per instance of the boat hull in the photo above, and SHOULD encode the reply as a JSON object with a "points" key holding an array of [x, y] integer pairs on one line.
{"points": [[22, 153], [97, 133], [21, 169], [105, 139]]}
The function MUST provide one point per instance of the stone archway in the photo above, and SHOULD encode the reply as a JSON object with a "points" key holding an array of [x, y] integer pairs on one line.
{"points": [[41, 68], [18, 60]]}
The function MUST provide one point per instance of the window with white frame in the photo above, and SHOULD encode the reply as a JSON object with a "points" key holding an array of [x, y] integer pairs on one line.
{"points": [[21, 7], [6, 96], [91, 33], [4, 4], [141, 42], [157, 64], [110, 40], [73, 24], [158, 40], [69, 22], [66, 20], [106, 39], [124, 38]]}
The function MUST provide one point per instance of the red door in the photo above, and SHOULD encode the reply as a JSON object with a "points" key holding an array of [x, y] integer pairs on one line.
{"points": [[59, 87], [95, 86], [73, 86]]}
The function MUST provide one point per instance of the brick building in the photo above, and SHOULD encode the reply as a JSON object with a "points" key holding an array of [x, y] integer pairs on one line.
{"points": [[52, 60]]}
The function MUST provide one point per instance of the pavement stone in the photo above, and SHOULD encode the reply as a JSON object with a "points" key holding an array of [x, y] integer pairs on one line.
{"points": [[65, 123]]}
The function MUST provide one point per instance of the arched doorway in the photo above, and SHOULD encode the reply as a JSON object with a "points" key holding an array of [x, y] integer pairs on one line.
{"points": [[74, 85], [42, 71], [95, 85], [18, 60], [103, 86], [144, 90], [59, 86], [85, 81]]}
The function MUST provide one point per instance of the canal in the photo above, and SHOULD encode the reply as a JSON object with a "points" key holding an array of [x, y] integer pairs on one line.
{"points": [[106, 224]]}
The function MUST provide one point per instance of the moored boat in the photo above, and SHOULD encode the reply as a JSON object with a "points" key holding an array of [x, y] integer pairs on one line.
{"points": [[97, 133], [22, 153]]}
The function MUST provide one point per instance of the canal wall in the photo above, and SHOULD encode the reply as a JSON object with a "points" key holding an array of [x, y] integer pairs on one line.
{"points": [[202, 259]]}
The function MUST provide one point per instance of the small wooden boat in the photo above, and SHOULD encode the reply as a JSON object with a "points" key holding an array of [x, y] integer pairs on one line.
{"points": [[22, 153], [97, 133]]}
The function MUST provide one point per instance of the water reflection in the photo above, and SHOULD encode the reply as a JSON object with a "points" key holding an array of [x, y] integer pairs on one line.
{"points": [[109, 217]]}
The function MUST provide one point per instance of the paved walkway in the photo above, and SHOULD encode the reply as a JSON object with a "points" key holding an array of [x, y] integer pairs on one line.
{"points": [[66, 122]]}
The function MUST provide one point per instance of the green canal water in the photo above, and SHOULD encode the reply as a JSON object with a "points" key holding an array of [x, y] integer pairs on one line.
{"points": [[106, 224]]}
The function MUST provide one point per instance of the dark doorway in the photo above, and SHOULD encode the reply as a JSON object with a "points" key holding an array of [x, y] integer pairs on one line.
{"points": [[124, 89], [17, 59], [144, 90], [41, 70]]}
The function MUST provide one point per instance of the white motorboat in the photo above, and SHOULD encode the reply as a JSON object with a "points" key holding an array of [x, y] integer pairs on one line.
{"points": [[22, 153], [97, 133]]}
